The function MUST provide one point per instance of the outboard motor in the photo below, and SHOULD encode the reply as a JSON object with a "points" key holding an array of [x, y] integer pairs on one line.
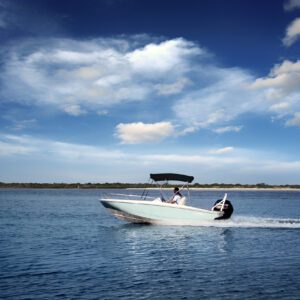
{"points": [[227, 208]]}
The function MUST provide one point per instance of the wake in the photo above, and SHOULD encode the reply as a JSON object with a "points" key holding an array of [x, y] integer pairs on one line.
{"points": [[255, 222], [243, 222]]}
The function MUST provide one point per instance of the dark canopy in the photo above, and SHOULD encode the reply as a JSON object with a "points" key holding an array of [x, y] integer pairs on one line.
{"points": [[171, 176]]}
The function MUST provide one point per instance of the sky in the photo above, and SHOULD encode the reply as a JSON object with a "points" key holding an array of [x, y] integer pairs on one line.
{"points": [[113, 90]]}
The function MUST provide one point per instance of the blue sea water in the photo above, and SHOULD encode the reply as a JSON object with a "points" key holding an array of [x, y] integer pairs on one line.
{"points": [[62, 244]]}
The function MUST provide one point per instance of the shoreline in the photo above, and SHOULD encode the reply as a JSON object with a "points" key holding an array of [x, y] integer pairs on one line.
{"points": [[156, 188]]}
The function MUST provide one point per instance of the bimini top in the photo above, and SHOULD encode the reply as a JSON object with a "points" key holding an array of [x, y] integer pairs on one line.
{"points": [[171, 176]]}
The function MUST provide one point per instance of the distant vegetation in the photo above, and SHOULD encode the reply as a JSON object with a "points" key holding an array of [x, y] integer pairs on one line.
{"points": [[89, 185], [118, 185]]}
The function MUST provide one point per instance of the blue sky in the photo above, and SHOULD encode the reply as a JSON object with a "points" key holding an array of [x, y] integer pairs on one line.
{"points": [[112, 90]]}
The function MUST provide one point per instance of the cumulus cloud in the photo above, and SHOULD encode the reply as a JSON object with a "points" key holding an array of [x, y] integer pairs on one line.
{"points": [[284, 77], [281, 89], [291, 5], [83, 76], [158, 59], [134, 133], [292, 33], [98, 75]]}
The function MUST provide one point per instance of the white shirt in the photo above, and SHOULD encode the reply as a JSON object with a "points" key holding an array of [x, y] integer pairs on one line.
{"points": [[176, 198]]}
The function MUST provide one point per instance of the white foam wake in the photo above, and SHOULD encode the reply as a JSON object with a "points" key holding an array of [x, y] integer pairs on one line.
{"points": [[257, 222], [246, 222]]}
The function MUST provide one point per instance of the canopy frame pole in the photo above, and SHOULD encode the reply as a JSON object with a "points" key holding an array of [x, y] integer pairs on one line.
{"points": [[223, 201], [161, 189], [145, 191]]}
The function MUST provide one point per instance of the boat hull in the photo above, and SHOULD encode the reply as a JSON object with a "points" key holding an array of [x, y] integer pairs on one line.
{"points": [[151, 212]]}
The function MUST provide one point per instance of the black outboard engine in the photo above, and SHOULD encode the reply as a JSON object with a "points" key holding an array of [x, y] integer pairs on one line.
{"points": [[228, 209]]}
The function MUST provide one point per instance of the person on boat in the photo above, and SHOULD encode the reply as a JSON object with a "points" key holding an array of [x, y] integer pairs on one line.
{"points": [[176, 196]]}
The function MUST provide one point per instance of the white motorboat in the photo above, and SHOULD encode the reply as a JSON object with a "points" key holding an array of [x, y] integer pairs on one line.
{"points": [[161, 211]]}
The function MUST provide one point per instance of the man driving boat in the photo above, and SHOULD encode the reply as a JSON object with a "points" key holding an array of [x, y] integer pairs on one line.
{"points": [[176, 196]]}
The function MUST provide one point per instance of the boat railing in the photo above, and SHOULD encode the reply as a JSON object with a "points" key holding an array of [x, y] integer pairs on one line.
{"points": [[120, 196]]}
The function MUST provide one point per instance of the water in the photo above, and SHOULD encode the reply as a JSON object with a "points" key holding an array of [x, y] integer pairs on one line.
{"points": [[61, 244]]}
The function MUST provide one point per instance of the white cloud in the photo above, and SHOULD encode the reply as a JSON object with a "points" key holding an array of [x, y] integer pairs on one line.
{"points": [[292, 33], [226, 96], [84, 76], [110, 80], [74, 110], [164, 57], [19, 124], [134, 133], [228, 129], [78, 162], [295, 121], [194, 160], [103, 112], [279, 106], [281, 89], [178, 76], [285, 67], [283, 80], [45, 148], [291, 5], [240, 165], [186, 130], [172, 88], [8, 149], [222, 150]]}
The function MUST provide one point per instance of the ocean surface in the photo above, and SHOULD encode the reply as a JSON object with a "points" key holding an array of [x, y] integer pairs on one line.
{"points": [[62, 244]]}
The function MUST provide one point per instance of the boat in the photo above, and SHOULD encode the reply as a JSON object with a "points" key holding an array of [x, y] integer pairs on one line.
{"points": [[149, 210]]}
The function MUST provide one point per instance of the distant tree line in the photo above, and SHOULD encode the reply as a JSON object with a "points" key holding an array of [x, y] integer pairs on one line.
{"points": [[115, 185], [118, 185], [254, 186]]}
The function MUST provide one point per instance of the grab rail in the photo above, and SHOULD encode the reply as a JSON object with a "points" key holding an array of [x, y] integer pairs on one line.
{"points": [[131, 195], [125, 196]]}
